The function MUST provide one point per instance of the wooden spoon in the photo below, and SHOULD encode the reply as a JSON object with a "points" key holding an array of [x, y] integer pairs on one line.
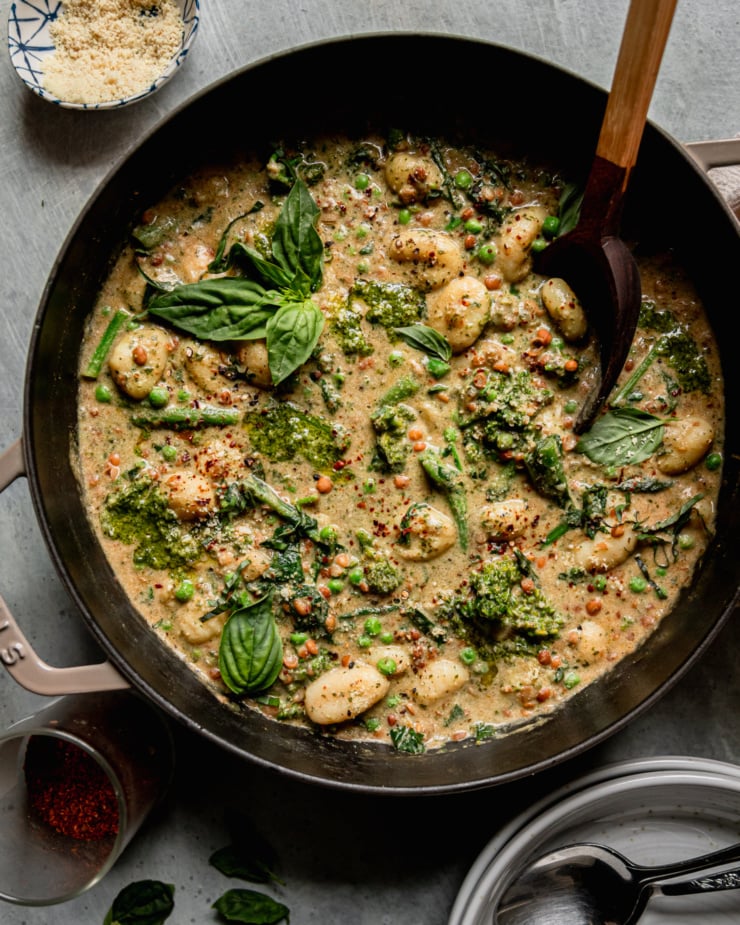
{"points": [[596, 263]]}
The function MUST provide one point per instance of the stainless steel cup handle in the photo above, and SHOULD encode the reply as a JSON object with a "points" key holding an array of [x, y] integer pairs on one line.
{"points": [[16, 653]]}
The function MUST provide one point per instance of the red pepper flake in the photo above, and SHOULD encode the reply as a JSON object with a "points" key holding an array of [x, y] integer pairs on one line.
{"points": [[68, 790]]}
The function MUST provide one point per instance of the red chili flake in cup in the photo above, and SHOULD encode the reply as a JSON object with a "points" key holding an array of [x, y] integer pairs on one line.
{"points": [[68, 790]]}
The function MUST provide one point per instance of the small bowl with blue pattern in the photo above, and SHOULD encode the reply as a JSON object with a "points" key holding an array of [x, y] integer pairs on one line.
{"points": [[32, 25]]}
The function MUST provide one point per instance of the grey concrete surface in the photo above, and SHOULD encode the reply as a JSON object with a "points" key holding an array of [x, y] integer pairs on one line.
{"points": [[343, 857]]}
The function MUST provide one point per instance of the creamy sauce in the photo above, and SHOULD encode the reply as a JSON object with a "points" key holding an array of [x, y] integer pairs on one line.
{"points": [[425, 584]]}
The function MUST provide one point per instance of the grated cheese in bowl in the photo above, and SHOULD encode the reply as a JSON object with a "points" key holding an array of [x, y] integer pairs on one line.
{"points": [[101, 53]]}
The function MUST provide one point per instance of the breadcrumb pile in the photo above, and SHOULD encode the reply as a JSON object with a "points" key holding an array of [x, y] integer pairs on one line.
{"points": [[111, 49]]}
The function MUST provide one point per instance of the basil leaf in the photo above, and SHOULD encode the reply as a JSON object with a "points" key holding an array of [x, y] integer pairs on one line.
{"points": [[251, 651], [227, 308], [221, 259], [235, 861], [296, 244], [270, 272], [292, 333], [145, 902], [569, 208], [622, 437], [251, 908], [426, 339]]}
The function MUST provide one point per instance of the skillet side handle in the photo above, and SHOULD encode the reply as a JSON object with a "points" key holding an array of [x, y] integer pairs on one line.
{"points": [[17, 655], [724, 152], [25, 667], [12, 465]]}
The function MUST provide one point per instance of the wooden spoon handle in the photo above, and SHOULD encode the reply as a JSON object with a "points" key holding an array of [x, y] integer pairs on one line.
{"points": [[644, 39]]}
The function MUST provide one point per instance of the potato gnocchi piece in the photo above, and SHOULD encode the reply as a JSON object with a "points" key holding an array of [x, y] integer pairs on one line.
{"points": [[253, 357], [206, 366], [191, 496], [565, 309], [505, 520], [460, 310], [605, 552], [138, 359], [686, 442], [426, 533], [429, 258], [514, 258], [341, 694], [589, 639], [438, 679], [195, 630], [412, 177]]}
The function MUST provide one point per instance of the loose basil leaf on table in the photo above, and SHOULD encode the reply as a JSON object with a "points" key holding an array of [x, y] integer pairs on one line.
{"points": [[426, 339], [144, 902], [251, 651], [622, 437], [250, 908]]}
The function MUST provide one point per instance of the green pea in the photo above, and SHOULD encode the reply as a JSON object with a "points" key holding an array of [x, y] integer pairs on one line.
{"points": [[335, 585], [506, 338], [169, 453], [386, 638], [713, 461], [183, 395], [473, 226], [364, 642], [437, 368], [158, 397], [686, 541], [539, 244], [463, 179], [362, 181], [372, 724], [637, 584], [356, 576], [328, 534], [486, 253], [551, 226], [373, 626], [387, 665], [570, 680], [185, 591], [103, 394], [467, 656], [571, 406], [298, 638], [404, 217]]}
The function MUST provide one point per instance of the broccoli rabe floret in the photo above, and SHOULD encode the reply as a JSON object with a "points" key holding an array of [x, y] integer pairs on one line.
{"points": [[675, 347], [390, 423], [499, 409], [382, 577], [495, 603]]}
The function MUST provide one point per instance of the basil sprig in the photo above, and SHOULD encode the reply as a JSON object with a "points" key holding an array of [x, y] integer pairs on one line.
{"points": [[622, 437], [422, 337], [271, 301], [251, 651]]}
